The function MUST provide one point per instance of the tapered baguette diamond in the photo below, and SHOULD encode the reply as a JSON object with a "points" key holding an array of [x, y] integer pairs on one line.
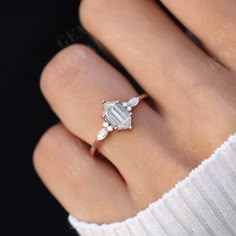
{"points": [[116, 115]]}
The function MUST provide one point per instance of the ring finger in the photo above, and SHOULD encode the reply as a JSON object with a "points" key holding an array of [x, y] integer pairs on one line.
{"points": [[75, 82]]}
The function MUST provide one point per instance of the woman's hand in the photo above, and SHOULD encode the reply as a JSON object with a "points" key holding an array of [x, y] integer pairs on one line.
{"points": [[194, 91]]}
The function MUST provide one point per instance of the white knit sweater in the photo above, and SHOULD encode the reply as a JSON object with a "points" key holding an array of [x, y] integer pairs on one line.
{"points": [[204, 203]]}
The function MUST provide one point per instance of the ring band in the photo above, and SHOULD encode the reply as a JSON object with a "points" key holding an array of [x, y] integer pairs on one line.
{"points": [[117, 116]]}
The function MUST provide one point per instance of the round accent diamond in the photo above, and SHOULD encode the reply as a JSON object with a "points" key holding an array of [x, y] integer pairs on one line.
{"points": [[125, 104], [129, 108], [109, 128], [102, 134], [105, 124]]}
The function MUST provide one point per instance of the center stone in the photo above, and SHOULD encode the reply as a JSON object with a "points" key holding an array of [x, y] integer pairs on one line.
{"points": [[116, 115]]}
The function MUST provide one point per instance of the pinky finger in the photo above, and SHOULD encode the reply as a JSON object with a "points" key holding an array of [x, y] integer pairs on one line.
{"points": [[87, 187]]}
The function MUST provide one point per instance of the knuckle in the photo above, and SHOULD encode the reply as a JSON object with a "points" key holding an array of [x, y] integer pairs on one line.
{"points": [[61, 70], [91, 11]]}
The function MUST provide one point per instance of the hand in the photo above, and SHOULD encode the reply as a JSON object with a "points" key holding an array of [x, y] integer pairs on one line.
{"points": [[194, 91]]}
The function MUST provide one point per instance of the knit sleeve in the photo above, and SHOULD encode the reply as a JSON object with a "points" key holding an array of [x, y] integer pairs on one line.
{"points": [[204, 203]]}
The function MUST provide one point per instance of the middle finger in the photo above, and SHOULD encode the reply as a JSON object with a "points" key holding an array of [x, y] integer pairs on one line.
{"points": [[151, 47]]}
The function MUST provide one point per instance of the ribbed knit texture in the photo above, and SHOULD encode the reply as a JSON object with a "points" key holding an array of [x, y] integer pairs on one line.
{"points": [[204, 203]]}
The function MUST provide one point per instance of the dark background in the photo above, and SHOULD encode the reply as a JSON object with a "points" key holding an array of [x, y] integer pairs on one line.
{"points": [[31, 33]]}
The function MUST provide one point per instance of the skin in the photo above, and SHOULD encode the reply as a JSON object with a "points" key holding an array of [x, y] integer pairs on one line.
{"points": [[194, 94]]}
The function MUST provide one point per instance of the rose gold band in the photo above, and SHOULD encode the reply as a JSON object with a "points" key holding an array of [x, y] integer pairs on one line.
{"points": [[97, 142]]}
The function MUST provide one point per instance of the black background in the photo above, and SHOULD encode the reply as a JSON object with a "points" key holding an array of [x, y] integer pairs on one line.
{"points": [[31, 33]]}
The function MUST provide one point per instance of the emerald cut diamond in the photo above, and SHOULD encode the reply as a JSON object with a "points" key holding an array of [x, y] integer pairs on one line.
{"points": [[117, 115]]}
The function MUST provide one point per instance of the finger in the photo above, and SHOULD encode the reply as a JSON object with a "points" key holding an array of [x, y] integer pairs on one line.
{"points": [[75, 94], [82, 184], [213, 22], [162, 59]]}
